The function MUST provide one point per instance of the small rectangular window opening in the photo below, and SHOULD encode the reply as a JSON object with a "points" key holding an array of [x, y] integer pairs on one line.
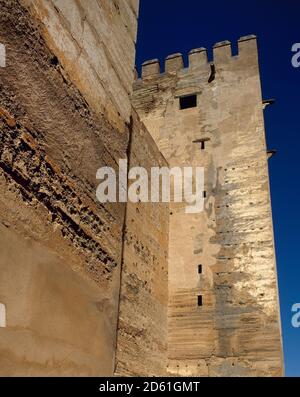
{"points": [[200, 300], [204, 194], [187, 102], [200, 269]]}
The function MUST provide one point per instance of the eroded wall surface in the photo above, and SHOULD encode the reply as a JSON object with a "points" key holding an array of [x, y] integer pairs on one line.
{"points": [[142, 327], [236, 331], [95, 43], [61, 250]]}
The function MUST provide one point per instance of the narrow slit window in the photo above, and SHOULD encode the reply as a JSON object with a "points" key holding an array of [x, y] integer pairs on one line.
{"points": [[200, 300], [200, 269], [187, 102], [202, 145], [204, 194]]}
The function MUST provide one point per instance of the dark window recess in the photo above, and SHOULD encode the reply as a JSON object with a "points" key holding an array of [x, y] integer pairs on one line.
{"points": [[202, 142], [187, 102], [200, 300], [200, 269], [204, 194], [212, 73], [54, 61]]}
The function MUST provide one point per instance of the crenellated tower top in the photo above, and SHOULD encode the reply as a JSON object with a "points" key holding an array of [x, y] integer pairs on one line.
{"points": [[198, 59]]}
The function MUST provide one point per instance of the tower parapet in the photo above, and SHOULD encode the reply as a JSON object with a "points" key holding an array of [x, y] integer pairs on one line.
{"points": [[198, 59]]}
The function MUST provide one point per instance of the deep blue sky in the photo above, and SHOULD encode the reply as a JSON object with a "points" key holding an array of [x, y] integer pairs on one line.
{"points": [[168, 26]]}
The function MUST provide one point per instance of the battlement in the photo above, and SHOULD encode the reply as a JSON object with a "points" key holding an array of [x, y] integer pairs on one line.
{"points": [[197, 58]]}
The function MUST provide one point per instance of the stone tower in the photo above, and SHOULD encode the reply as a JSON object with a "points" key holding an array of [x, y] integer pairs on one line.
{"points": [[98, 289], [223, 312]]}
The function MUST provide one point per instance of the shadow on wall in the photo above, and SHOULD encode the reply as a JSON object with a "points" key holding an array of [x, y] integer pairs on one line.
{"points": [[57, 323]]}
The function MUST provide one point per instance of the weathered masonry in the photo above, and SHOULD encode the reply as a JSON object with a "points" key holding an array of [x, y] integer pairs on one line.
{"points": [[65, 111], [139, 289], [223, 316]]}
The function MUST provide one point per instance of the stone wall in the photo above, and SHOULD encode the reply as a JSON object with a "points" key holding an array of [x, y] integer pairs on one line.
{"points": [[236, 331], [61, 250], [55, 322], [142, 331], [94, 41], [63, 254]]}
